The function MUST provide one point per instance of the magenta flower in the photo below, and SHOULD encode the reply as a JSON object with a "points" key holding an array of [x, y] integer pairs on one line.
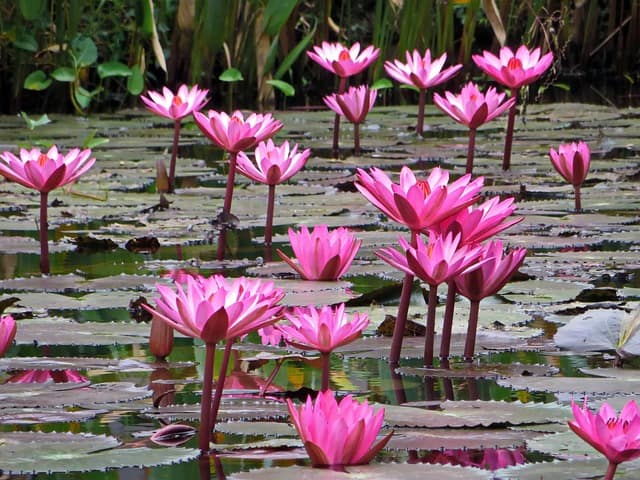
{"points": [[175, 107], [418, 204], [272, 165], [572, 162], [233, 134], [513, 70], [321, 255], [338, 434], [45, 376], [493, 273], [473, 108], [45, 172], [422, 73], [616, 437], [342, 61], [8, 329], [477, 223], [354, 105], [214, 309]]}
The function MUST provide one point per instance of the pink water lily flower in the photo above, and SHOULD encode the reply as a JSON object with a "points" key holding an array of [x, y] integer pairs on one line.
{"points": [[421, 72], [320, 254], [617, 437], [273, 164], [45, 171], [338, 433], [476, 223], [215, 308], [471, 107], [418, 204], [572, 161], [354, 105], [343, 61], [8, 330], [176, 106], [514, 70]]}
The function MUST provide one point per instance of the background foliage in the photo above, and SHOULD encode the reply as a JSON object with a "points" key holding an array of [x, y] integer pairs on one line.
{"points": [[83, 56]]}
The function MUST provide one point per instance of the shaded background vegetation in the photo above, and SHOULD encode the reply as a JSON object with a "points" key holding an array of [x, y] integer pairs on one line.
{"points": [[84, 56]]}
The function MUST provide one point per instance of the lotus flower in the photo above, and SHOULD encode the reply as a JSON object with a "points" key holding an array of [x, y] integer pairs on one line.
{"points": [[323, 330], [343, 62], [175, 107], [473, 108], [45, 172], [8, 329], [439, 261], [338, 434], [421, 72], [572, 162], [321, 255], [513, 70], [233, 134], [272, 165], [616, 437], [418, 204], [213, 309], [354, 105], [486, 280]]}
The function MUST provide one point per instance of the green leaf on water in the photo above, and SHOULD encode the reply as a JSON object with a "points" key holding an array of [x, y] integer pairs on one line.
{"points": [[37, 122], [231, 75], [283, 86]]}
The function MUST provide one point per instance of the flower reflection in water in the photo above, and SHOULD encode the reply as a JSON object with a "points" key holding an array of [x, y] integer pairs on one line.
{"points": [[488, 458]]}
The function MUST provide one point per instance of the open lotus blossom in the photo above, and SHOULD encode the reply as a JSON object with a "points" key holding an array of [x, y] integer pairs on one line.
{"points": [[323, 329], [513, 70], [342, 61], [473, 108], [233, 133], [338, 433], [572, 160], [476, 223], [494, 272], [421, 72], [272, 165], [321, 254], [45, 376], [175, 107], [8, 330], [45, 172], [354, 105], [617, 437], [214, 309], [418, 204], [434, 263]]}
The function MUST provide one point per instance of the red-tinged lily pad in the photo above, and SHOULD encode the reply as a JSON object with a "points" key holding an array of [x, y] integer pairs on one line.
{"points": [[69, 394], [34, 416], [379, 471], [242, 409], [37, 452]]}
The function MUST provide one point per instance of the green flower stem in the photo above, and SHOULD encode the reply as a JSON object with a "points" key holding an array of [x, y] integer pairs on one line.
{"points": [[205, 402], [174, 156], [215, 406], [44, 235]]}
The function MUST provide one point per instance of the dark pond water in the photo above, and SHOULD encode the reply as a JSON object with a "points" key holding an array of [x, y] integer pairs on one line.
{"points": [[576, 263]]}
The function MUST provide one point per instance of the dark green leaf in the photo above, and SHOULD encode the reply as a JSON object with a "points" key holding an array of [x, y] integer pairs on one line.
{"points": [[276, 14], [25, 41], [37, 80], [231, 75], [64, 74], [31, 9], [113, 69], [85, 51]]}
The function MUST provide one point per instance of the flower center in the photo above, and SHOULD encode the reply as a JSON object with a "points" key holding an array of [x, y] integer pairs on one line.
{"points": [[424, 186], [42, 159], [344, 55], [177, 101], [612, 423], [514, 64]]}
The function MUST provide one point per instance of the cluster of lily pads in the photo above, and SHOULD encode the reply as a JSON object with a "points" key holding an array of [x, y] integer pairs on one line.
{"points": [[445, 247]]}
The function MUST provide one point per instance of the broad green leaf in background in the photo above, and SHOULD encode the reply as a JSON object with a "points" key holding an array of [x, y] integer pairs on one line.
{"points": [[283, 86], [276, 14], [25, 41], [113, 69], [85, 50], [231, 75], [64, 74], [381, 84], [37, 80], [135, 82], [31, 9]]}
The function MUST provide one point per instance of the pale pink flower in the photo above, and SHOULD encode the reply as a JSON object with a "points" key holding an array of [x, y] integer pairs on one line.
{"points": [[354, 104], [514, 70], [235, 133], [471, 107], [273, 164], [420, 70], [343, 61], [338, 433], [320, 254], [324, 330], [176, 106], [45, 171], [216, 308], [418, 204]]}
